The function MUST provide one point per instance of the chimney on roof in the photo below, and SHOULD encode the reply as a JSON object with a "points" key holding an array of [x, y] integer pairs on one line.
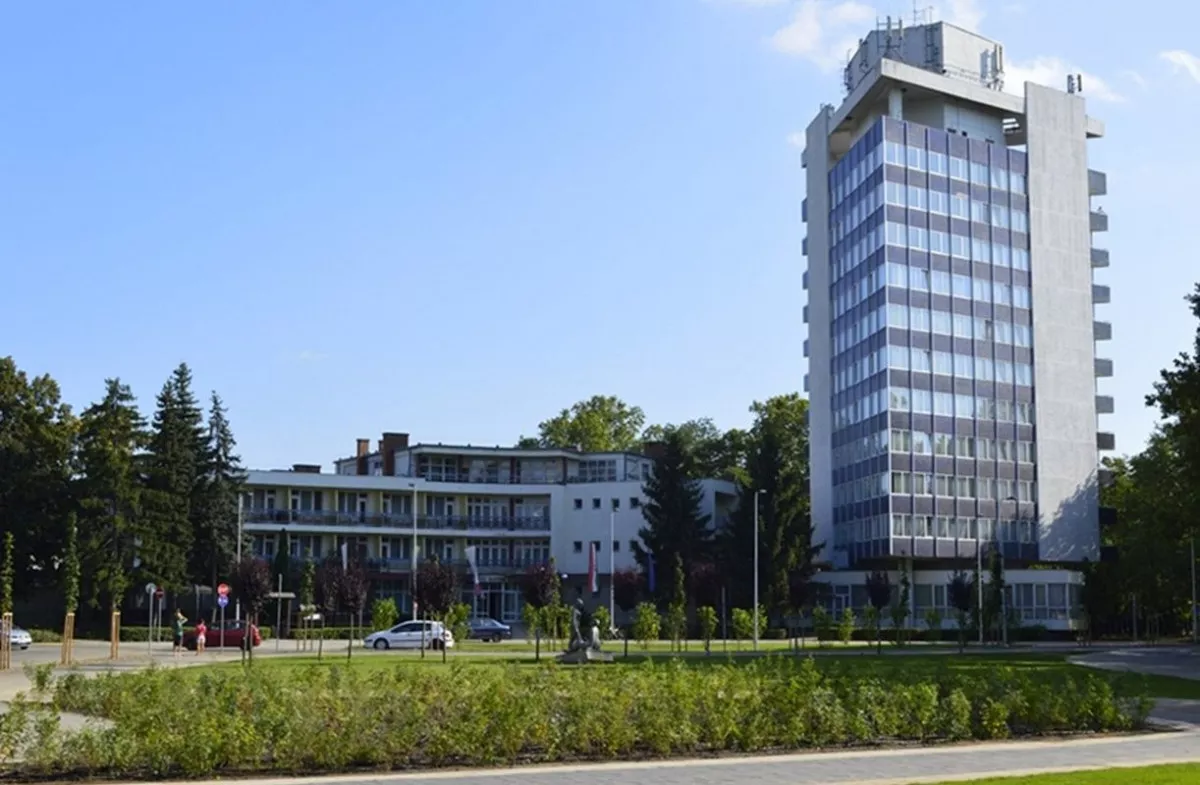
{"points": [[362, 447], [388, 445]]}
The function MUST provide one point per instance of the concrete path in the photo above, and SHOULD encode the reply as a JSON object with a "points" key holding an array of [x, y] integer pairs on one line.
{"points": [[841, 768], [1182, 662]]}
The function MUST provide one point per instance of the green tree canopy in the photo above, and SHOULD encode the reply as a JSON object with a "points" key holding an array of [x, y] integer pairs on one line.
{"points": [[602, 423]]}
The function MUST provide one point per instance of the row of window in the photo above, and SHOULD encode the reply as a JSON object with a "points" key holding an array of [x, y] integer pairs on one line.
{"points": [[919, 279], [974, 328], [921, 443], [1002, 411], [944, 527], [962, 366], [844, 180], [879, 527], [918, 238], [614, 504], [939, 202], [920, 159], [965, 407], [946, 486], [845, 295]]}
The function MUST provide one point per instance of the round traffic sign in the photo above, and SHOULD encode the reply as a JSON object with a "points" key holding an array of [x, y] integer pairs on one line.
{"points": [[222, 601], [158, 593], [150, 587], [223, 590]]}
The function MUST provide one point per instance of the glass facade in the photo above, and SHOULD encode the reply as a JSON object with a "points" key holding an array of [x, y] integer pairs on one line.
{"points": [[932, 357]]}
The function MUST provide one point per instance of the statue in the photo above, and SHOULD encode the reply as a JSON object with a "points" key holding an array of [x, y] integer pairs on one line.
{"points": [[583, 647], [577, 639]]}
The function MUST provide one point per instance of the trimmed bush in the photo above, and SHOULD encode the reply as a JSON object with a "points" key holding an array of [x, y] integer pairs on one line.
{"points": [[179, 722]]}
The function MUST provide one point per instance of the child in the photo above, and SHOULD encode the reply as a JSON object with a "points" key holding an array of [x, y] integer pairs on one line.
{"points": [[201, 630]]}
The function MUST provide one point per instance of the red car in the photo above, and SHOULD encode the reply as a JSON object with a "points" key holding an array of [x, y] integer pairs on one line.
{"points": [[234, 636]]}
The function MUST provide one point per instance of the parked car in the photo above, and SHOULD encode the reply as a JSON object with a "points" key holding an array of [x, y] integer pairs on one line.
{"points": [[411, 635], [485, 629], [19, 638], [235, 636]]}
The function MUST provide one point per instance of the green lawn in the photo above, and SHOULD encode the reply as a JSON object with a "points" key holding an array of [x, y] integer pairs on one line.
{"points": [[859, 660], [1184, 774]]}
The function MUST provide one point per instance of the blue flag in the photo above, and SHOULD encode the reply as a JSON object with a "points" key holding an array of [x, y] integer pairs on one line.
{"points": [[650, 582]]}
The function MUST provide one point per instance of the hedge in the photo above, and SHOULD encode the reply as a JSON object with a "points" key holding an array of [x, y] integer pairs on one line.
{"points": [[203, 723]]}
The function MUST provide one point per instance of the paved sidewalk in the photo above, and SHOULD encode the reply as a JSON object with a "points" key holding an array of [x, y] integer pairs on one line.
{"points": [[830, 768]]}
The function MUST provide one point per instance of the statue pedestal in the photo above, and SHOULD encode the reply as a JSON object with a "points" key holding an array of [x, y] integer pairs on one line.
{"points": [[584, 656]]}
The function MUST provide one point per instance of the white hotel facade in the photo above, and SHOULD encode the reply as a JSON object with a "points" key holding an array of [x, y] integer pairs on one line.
{"points": [[517, 507]]}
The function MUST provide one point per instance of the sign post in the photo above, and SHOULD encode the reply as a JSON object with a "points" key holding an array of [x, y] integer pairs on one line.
{"points": [[222, 602], [150, 589]]}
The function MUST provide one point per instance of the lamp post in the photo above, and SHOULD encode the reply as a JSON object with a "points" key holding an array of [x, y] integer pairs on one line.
{"points": [[757, 493], [612, 570], [237, 603], [1195, 632], [413, 485]]}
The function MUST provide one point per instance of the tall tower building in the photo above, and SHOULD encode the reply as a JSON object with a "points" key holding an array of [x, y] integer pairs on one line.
{"points": [[952, 356]]}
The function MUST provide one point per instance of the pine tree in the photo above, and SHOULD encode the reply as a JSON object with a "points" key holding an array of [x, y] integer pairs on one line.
{"points": [[675, 526], [172, 473], [777, 467], [214, 521], [112, 434]]}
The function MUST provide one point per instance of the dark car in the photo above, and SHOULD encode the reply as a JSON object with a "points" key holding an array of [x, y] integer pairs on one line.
{"points": [[485, 629], [234, 636]]}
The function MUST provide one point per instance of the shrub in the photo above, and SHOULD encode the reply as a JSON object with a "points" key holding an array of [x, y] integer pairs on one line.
{"points": [[845, 627], [645, 623], [822, 624], [743, 624], [706, 617], [384, 614], [293, 720]]}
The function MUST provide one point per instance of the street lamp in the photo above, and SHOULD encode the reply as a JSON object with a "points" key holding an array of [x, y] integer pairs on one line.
{"points": [[612, 570], [413, 582], [757, 493], [237, 605]]}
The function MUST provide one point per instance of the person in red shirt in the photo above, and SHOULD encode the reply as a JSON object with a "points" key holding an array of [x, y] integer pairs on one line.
{"points": [[201, 632]]}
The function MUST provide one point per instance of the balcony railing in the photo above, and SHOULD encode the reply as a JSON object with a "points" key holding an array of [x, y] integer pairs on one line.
{"points": [[383, 521], [499, 565], [478, 478]]}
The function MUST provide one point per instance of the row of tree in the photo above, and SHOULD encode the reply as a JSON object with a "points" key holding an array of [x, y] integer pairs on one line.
{"points": [[1148, 587], [769, 464], [110, 499]]}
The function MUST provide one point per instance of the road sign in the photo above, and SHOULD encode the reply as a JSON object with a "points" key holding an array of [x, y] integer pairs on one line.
{"points": [[223, 590], [150, 588], [158, 593], [222, 600]]}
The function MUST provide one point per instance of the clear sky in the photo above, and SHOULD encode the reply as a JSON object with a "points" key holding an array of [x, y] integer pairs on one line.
{"points": [[454, 219]]}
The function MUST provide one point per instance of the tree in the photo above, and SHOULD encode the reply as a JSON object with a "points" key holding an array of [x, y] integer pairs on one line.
{"points": [[384, 613], [675, 526], [899, 609], [706, 618], [540, 585], [252, 585], [776, 468], [676, 619], [7, 571], [743, 625], [329, 581], [353, 590], [961, 594], [281, 565], [704, 583], [994, 596], [627, 588], [646, 624], [711, 453], [70, 583], [437, 588], [214, 520], [845, 627], [109, 489], [172, 473], [602, 423], [308, 593], [879, 595], [37, 433]]}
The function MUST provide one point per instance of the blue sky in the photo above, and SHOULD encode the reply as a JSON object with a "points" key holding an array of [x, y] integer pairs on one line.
{"points": [[454, 219]]}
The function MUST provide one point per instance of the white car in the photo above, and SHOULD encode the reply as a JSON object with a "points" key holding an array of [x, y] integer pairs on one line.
{"points": [[411, 635], [20, 638]]}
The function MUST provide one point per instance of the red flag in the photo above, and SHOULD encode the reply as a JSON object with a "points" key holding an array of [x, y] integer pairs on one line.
{"points": [[593, 583]]}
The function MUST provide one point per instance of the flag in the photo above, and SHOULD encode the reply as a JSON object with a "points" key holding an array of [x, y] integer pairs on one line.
{"points": [[474, 568], [650, 582], [593, 583]]}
